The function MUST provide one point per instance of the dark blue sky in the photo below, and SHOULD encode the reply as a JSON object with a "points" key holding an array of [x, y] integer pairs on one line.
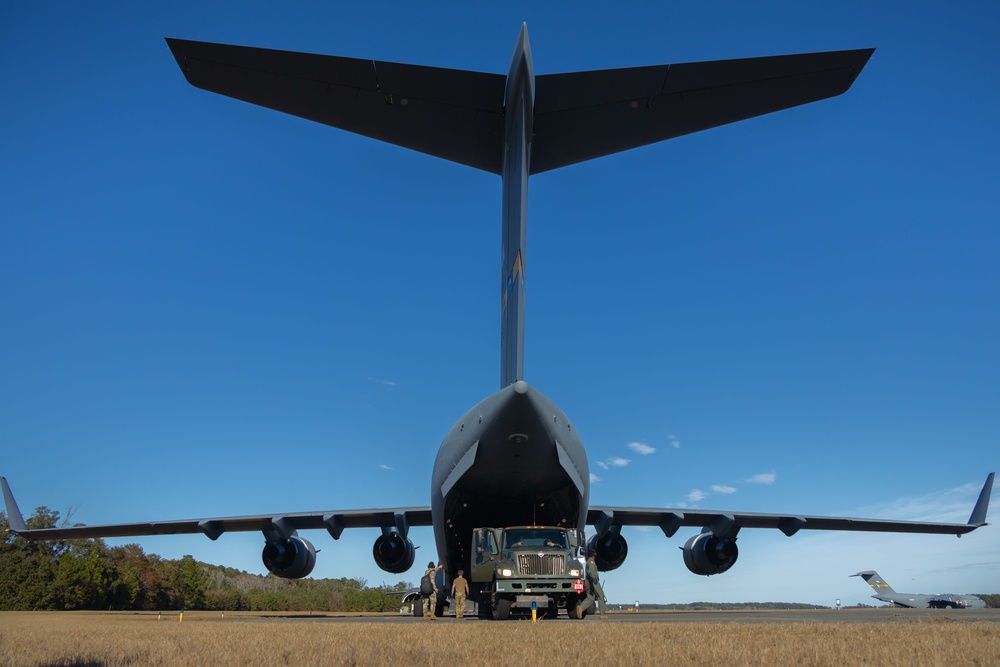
{"points": [[210, 308]]}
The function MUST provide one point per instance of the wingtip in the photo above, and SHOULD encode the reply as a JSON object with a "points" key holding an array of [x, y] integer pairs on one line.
{"points": [[14, 518], [978, 517]]}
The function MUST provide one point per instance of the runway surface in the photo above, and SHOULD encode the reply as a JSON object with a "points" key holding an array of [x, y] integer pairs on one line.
{"points": [[872, 615]]}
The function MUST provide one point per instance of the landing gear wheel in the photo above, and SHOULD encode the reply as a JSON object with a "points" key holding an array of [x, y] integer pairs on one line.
{"points": [[485, 607], [501, 609]]}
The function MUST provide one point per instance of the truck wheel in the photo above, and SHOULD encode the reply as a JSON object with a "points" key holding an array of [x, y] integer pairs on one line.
{"points": [[418, 607], [501, 609], [571, 606]]}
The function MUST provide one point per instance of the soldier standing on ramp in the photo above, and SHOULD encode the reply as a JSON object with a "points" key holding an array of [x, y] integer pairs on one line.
{"points": [[459, 589], [594, 590]]}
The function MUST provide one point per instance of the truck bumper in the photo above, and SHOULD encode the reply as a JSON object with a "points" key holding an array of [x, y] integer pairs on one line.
{"points": [[525, 591]]}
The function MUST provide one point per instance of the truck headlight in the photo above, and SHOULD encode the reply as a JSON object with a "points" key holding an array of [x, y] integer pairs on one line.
{"points": [[574, 573], [505, 572]]}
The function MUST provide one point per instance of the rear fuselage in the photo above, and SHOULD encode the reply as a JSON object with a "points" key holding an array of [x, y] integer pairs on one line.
{"points": [[513, 459]]}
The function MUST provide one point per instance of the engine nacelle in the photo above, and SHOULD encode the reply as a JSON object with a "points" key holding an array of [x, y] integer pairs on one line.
{"points": [[707, 554], [293, 558], [393, 552], [612, 549]]}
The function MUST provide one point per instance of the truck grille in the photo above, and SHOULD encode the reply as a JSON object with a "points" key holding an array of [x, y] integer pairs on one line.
{"points": [[545, 564]]}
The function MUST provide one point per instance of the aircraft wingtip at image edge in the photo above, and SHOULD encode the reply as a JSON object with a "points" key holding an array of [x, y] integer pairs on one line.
{"points": [[978, 516], [14, 518]]}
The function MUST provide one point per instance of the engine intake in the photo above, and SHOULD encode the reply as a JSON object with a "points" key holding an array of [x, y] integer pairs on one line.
{"points": [[393, 552], [612, 549], [706, 554], [293, 558]]}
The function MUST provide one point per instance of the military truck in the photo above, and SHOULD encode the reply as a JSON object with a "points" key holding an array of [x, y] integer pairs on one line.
{"points": [[513, 568]]}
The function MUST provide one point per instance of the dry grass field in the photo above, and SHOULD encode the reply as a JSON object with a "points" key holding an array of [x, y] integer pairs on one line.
{"points": [[52, 639]]}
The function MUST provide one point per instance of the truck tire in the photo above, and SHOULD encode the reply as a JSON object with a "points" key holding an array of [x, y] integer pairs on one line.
{"points": [[501, 609], [418, 607]]}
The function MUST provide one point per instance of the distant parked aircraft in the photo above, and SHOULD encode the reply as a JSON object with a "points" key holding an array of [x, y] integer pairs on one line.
{"points": [[885, 593]]}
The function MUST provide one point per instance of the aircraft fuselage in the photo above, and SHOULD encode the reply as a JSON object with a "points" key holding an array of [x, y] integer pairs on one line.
{"points": [[513, 459]]}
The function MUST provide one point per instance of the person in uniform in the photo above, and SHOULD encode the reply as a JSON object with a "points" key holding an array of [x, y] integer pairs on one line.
{"points": [[593, 588], [459, 589], [429, 600], [440, 589]]}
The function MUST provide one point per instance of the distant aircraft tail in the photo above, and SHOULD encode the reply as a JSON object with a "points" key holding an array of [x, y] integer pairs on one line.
{"points": [[877, 583]]}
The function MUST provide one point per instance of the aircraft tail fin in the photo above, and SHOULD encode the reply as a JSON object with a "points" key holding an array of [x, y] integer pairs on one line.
{"points": [[873, 579], [978, 516], [14, 518]]}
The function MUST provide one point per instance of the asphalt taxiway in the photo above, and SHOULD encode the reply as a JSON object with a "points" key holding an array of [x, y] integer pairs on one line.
{"points": [[864, 615]]}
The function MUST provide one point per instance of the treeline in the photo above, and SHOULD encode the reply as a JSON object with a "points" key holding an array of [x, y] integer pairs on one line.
{"points": [[88, 574]]}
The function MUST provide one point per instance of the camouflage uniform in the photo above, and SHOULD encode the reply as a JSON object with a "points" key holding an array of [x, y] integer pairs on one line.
{"points": [[429, 600], [594, 590], [459, 589]]}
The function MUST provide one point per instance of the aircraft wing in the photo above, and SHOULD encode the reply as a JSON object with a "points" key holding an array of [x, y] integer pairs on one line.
{"points": [[452, 114], [584, 115], [333, 521], [727, 523]]}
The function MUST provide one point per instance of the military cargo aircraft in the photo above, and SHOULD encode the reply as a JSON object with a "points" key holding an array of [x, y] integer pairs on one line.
{"points": [[514, 458], [885, 593]]}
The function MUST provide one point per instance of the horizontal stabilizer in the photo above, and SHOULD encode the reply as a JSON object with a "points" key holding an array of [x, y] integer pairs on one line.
{"points": [[459, 115], [452, 114], [584, 115]]}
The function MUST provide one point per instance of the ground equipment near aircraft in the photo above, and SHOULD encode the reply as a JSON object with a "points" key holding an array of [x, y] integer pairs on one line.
{"points": [[517, 567]]}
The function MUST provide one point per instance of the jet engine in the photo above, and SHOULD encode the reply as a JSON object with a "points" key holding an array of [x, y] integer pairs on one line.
{"points": [[707, 554], [293, 558], [611, 549], [393, 552]]}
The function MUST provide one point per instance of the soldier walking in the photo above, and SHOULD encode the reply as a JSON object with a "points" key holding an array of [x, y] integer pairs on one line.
{"points": [[459, 589], [428, 591], [594, 589]]}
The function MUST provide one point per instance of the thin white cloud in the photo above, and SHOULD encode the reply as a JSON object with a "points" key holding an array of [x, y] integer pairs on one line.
{"points": [[718, 488], [384, 466], [762, 478], [696, 495], [594, 479], [674, 441], [603, 464], [641, 448], [388, 384], [618, 462]]}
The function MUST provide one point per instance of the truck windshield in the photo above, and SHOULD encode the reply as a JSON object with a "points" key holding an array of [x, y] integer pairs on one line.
{"points": [[535, 538]]}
